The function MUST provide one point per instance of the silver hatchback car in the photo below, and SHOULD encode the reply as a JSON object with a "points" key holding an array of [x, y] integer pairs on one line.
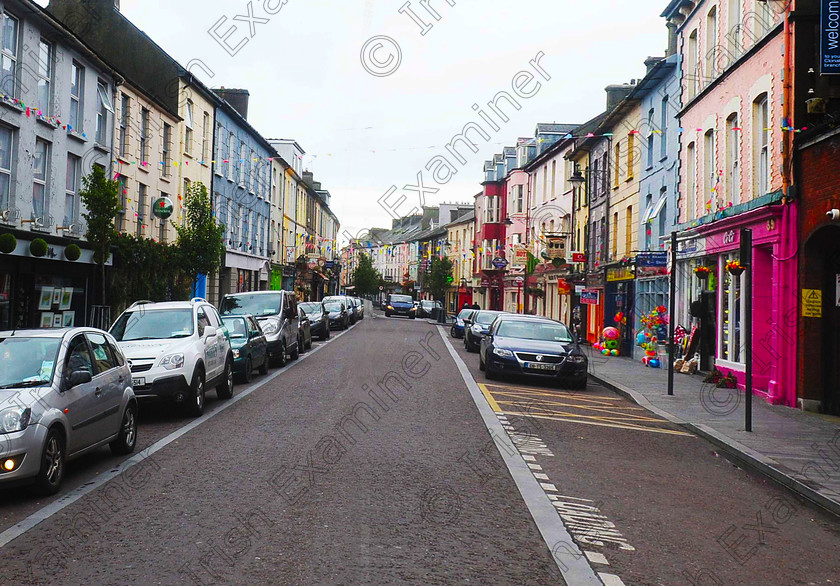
{"points": [[63, 393]]}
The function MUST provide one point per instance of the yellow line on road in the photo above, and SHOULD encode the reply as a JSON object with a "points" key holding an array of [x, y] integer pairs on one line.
{"points": [[489, 396], [581, 404], [618, 426], [596, 417], [582, 395]]}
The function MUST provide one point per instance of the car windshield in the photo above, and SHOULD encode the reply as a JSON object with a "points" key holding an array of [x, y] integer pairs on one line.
{"points": [[27, 362], [310, 307], [425, 303], [333, 307], [543, 331], [464, 313], [484, 318], [236, 326], [400, 299], [153, 324], [257, 304]]}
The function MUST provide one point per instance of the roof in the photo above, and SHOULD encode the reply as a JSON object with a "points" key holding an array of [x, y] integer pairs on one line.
{"points": [[543, 128], [584, 128]]}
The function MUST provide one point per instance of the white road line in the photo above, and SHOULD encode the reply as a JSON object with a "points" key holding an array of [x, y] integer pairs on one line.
{"points": [[548, 486], [575, 498], [528, 458], [71, 497], [540, 476], [570, 560], [610, 579], [534, 466], [596, 558]]}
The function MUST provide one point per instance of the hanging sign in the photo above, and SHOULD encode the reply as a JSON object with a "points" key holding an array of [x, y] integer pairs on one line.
{"points": [[811, 303], [830, 37], [162, 208], [589, 297], [578, 257], [499, 262], [520, 256]]}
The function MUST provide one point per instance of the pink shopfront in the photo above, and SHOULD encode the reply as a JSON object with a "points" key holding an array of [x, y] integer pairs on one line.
{"points": [[775, 302]]}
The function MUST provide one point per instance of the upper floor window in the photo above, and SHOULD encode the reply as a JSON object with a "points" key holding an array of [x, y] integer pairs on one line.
{"points": [[631, 155], [733, 150], [188, 123], [45, 59], [711, 44], [663, 128], [125, 106], [692, 77], [761, 145], [690, 180], [40, 173], [650, 138], [77, 80], [167, 149], [232, 166], [205, 139], [8, 55], [144, 135], [735, 25], [71, 190], [617, 164], [105, 107]]}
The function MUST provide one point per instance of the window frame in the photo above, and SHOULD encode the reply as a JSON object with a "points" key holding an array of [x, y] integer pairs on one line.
{"points": [[77, 81], [105, 107], [42, 182], [71, 192], [44, 72]]}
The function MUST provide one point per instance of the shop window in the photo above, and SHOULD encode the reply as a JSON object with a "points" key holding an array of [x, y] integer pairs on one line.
{"points": [[731, 312]]}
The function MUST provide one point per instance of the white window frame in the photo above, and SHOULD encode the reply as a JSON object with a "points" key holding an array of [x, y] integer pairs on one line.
{"points": [[71, 189], [125, 111], [11, 56], [205, 143], [188, 123], [142, 196], [144, 135], [726, 298], [42, 182], [77, 81], [166, 150], [105, 106], [6, 198], [44, 72]]}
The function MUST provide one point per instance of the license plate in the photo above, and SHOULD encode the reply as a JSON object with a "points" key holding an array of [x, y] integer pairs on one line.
{"points": [[138, 382], [539, 366]]}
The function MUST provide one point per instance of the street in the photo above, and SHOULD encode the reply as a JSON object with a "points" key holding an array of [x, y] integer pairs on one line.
{"points": [[368, 461]]}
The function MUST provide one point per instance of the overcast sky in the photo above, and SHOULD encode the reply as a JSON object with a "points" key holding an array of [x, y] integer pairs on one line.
{"points": [[362, 133]]}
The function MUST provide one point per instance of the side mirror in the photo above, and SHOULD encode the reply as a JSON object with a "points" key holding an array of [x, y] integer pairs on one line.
{"points": [[78, 377], [210, 332]]}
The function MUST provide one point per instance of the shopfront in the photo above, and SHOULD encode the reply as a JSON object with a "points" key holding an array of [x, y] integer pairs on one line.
{"points": [[593, 297], [619, 299]]}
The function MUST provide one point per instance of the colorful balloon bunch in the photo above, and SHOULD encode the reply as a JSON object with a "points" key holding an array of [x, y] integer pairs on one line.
{"points": [[609, 347]]}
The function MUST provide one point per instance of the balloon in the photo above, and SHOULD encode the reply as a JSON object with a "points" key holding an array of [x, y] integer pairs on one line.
{"points": [[610, 333], [614, 352], [654, 363], [605, 352]]}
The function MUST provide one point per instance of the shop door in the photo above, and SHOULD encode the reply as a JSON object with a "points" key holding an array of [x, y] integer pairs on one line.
{"points": [[831, 332], [620, 299]]}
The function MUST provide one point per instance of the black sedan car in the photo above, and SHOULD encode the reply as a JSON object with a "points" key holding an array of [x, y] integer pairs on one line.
{"points": [[460, 323], [339, 316], [248, 344], [477, 327], [318, 320], [534, 347]]}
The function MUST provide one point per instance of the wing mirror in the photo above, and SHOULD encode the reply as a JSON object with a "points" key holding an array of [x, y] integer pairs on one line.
{"points": [[78, 377]]}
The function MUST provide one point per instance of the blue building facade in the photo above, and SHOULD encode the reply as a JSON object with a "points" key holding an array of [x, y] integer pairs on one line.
{"points": [[241, 198]]}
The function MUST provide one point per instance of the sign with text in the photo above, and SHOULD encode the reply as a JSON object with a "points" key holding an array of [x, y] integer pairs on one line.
{"points": [[652, 259], [811, 303], [830, 37], [578, 257], [589, 297], [620, 274], [520, 256]]}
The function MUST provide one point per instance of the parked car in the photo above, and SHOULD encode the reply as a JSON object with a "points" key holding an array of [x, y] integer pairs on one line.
{"points": [[177, 350], [247, 342], [348, 305], [339, 317], [479, 326], [277, 314], [400, 305], [457, 330], [318, 318], [304, 331], [360, 306], [63, 393], [534, 347], [425, 307]]}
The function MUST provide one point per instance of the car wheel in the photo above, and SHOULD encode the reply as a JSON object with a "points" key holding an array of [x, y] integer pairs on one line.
{"points": [[264, 365], [481, 365], [225, 390], [387, 314], [281, 356], [127, 440], [249, 369], [195, 403], [295, 354], [51, 473], [490, 374], [325, 333], [309, 344]]}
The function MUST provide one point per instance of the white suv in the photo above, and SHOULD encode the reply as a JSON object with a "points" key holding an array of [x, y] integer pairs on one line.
{"points": [[176, 350]]}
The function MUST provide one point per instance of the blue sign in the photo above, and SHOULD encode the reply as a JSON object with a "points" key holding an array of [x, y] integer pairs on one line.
{"points": [[830, 37], [500, 262], [652, 259], [329, 264]]}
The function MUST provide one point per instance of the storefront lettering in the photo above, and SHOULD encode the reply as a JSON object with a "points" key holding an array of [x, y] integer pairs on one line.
{"points": [[729, 237]]}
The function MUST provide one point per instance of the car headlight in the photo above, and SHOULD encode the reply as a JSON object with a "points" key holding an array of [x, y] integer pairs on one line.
{"points": [[172, 361], [269, 327], [577, 359], [389, 307], [14, 419], [502, 352], [459, 322], [476, 329], [236, 353]]}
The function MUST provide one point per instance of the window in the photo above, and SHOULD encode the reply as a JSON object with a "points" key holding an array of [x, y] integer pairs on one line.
{"points": [[71, 190], [243, 164], [141, 207], [763, 19], [78, 357], [231, 155], [122, 182], [617, 162], [711, 44], [205, 139], [77, 80], [545, 184], [519, 198], [631, 155], [45, 57], [5, 168], [691, 181], [102, 113], [761, 145], [252, 173], [733, 171], [8, 56], [734, 35], [663, 128], [692, 74], [144, 135], [167, 149], [710, 176], [646, 220], [39, 180], [628, 232], [553, 177], [731, 310], [102, 353], [124, 117], [162, 225], [650, 139], [615, 235], [663, 214], [188, 123]]}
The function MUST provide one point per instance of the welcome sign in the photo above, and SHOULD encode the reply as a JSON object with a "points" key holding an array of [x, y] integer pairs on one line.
{"points": [[830, 37]]}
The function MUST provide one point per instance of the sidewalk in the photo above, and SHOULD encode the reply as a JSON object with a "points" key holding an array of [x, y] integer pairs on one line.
{"points": [[797, 449]]}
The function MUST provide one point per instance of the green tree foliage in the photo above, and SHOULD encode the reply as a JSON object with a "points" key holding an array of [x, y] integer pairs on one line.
{"points": [[147, 269], [366, 278], [100, 196], [200, 240], [440, 277]]}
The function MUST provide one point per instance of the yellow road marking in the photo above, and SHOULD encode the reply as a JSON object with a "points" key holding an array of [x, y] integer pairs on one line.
{"points": [[582, 405], [627, 421], [487, 395], [543, 391], [601, 424]]}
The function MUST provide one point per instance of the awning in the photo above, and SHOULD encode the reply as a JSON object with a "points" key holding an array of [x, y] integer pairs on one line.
{"points": [[242, 261]]}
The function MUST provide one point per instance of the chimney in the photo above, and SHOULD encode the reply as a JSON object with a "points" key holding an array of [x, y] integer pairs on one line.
{"points": [[650, 62], [117, 5], [616, 93], [672, 38], [236, 98], [308, 178]]}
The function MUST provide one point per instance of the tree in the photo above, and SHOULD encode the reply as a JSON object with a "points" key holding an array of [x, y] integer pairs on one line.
{"points": [[366, 278], [100, 196], [200, 240], [440, 278]]}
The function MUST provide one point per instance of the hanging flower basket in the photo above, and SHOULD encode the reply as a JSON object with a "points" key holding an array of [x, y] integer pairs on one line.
{"points": [[702, 273], [735, 267]]}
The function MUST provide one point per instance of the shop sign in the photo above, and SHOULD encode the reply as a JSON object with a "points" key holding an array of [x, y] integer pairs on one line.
{"points": [[485, 282], [290, 254], [563, 287], [578, 257], [650, 271], [690, 248], [499, 262], [596, 280], [652, 259], [811, 303], [330, 264], [620, 274], [162, 208], [289, 271], [729, 237], [579, 289], [589, 297], [830, 37], [520, 256]]}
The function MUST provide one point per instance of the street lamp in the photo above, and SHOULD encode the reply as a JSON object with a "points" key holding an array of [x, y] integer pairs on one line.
{"points": [[507, 221]]}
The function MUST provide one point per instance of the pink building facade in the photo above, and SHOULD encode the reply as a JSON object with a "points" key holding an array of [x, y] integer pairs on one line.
{"points": [[731, 160]]}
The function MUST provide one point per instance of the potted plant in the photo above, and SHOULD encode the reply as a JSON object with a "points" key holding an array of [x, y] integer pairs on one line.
{"points": [[702, 272], [72, 252], [38, 247], [735, 267], [8, 243]]}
